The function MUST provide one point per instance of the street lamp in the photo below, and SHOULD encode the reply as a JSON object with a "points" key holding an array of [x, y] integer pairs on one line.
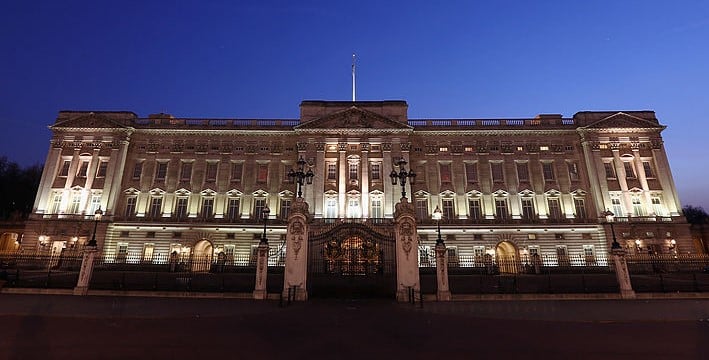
{"points": [[401, 176], [265, 213], [437, 215], [609, 219], [301, 175], [97, 217]]}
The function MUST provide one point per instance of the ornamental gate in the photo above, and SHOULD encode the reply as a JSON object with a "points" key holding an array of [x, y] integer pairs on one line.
{"points": [[352, 260]]}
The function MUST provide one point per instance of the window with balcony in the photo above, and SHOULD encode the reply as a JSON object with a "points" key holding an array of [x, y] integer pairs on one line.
{"points": [[207, 208], [475, 209], [422, 209], [259, 205], [181, 208], [501, 212], [448, 209], [233, 208], [155, 207], [528, 209], [554, 208]]}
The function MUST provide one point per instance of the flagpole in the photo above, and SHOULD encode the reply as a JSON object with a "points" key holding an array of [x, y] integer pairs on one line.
{"points": [[353, 78]]}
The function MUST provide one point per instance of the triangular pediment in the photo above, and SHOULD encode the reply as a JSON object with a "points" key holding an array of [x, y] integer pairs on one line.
{"points": [[624, 120], [90, 120], [353, 118]]}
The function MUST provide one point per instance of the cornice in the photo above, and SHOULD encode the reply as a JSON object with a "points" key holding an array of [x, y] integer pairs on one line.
{"points": [[496, 132]]}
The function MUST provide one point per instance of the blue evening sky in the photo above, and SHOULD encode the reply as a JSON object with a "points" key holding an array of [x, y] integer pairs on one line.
{"points": [[447, 59]]}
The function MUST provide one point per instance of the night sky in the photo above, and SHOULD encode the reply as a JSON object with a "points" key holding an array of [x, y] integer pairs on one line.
{"points": [[447, 59]]}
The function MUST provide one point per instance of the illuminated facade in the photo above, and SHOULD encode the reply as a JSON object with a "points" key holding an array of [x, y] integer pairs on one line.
{"points": [[506, 187]]}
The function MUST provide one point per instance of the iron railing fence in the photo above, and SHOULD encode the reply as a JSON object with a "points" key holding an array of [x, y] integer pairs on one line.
{"points": [[30, 270], [526, 264], [667, 263]]}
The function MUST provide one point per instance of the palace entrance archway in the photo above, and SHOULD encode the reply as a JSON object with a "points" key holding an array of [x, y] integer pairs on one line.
{"points": [[506, 256], [352, 260]]}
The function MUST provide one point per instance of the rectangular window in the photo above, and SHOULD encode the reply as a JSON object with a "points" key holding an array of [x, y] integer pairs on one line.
{"points": [[377, 209], [212, 171], [629, 169], [332, 171], [501, 212], [471, 172], [233, 209], [527, 208], [102, 167], [137, 170], [285, 208], [262, 175], [376, 171], [580, 205], [155, 207], [448, 210], [83, 169], [589, 255], [95, 204], [649, 172], [75, 203], [522, 172], [130, 206], [161, 171], [186, 171], [445, 170], [562, 255], [331, 208], [610, 169], [573, 171], [259, 205], [497, 173], [354, 170], [657, 206], [422, 209], [65, 168], [353, 210], [207, 208], [56, 203], [554, 208], [148, 250], [121, 252], [548, 171], [474, 209], [638, 209], [617, 207], [181, 208], [236, 171]]}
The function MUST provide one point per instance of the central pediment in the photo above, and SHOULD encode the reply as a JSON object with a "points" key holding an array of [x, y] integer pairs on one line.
{"points": [[353, 118], [624, 120]]}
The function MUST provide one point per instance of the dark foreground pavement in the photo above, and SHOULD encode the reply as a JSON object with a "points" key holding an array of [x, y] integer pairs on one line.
{"points": [[96, 327]]}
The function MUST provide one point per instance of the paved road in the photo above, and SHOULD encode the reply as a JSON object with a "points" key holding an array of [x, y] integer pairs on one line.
{"points": [[95, 327]]}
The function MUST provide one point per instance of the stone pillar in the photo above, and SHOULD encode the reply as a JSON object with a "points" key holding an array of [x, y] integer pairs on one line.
{"points": [[342, 165], [87, 269], [407, 270], [364, 170], [443, 293], [260, 292], [622, 274], [296, 271]]}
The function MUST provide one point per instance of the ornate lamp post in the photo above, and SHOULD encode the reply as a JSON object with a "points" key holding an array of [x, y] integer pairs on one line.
{"points": [[97, 217], [301, 176], [265, 213], [401, 176], [609, 219], [438, 215]]}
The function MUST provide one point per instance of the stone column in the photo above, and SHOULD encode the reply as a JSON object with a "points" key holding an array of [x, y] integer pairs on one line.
{"points": [[443, 293], [342, 181], [407, 270], [364, 170], [87, 269], [389, 189], [260, 292], [622, 274], [296, 271]]}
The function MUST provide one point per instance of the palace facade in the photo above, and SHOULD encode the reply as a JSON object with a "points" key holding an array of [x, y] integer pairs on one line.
{"points": [[505, 187]]}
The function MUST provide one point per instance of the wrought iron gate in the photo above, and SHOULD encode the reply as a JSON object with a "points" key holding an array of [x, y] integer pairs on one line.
{"points": [[351, 260]]}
